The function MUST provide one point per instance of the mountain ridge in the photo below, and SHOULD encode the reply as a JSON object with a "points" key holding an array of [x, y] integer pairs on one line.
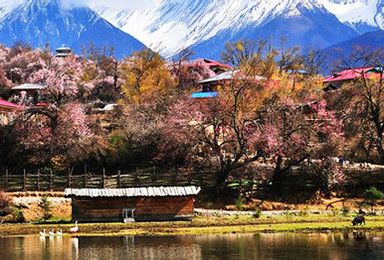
{"points": [[173, 25], [38, 22], [204, 25]]}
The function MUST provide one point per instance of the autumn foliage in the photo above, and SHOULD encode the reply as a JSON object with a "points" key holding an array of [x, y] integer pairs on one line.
{"points": [[264, 113]]}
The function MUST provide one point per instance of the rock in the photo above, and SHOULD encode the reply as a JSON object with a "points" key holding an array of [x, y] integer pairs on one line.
{"points": [[8, 218], [266, 206]]}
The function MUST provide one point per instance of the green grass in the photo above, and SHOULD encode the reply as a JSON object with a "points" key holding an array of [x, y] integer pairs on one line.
{"points": [[204, 225]]}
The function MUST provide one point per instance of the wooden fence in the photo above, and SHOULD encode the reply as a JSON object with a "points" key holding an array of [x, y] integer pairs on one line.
{"points": [[58, 182], [48, 181]]}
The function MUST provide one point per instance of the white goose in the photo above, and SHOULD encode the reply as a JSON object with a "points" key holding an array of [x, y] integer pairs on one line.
{"points": [[51, 233], [75, 228], [42, 233], [59, 232]]}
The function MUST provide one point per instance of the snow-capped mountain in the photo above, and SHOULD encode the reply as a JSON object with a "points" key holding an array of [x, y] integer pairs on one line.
{"points": [[363, 15], [170, 25], [40, 21], [204, 25]]}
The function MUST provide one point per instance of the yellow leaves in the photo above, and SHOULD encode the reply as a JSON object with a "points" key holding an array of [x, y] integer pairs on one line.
{"points": [[145, 75], [239, 46]]}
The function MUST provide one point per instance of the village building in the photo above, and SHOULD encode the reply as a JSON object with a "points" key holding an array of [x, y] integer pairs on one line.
{"points": [[133, 204], [349, 75], [63, 52], [105, 115], [6, 109], [28, 94], [215, 66], [209, 87]]}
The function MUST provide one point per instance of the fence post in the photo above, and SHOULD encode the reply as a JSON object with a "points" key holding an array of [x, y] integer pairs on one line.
{"points": [[103, 179], [6, 179], [85, 180], [24, 180], [174, 176], [38, 180], [118, 179], [136, 177], [51, 180], [154, 176], [189, 176], [69, 178]]}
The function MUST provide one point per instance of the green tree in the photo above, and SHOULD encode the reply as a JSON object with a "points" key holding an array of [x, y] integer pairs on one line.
{"points": [[372, 195], [45, 206]]}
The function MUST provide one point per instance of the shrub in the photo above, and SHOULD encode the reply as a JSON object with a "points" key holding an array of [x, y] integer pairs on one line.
{"points": [[345, 210], [257, 213], [304, 211], [45, 206], [288, 214], [239, 203], [17, 214], [372, 195], [209, 205], [5, 203]]}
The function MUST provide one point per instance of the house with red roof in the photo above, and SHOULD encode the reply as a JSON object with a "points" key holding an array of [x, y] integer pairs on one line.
{"points": [[6, 109], [209, 87], [215, 66], [338, 79]]}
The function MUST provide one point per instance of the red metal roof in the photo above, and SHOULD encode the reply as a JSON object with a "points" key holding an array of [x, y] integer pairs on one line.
{"points": [[351, 74], [8, 106], [212, 64]]}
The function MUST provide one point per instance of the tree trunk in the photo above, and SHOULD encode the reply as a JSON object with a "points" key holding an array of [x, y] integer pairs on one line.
{"points": [[221, 177], [277, 179]]}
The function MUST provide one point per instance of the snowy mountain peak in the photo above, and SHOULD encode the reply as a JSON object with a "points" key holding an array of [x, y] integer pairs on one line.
{"points": [[170, 25], [360, 14], [49, 21]]}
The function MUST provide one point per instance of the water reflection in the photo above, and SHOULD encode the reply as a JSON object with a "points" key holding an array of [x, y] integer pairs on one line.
{"points": [[356, 245]]}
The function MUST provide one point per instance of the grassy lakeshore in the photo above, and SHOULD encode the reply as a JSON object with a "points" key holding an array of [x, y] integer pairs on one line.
{"points": [[204, 225]]}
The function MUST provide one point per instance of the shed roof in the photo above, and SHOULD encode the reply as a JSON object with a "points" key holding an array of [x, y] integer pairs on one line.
{"points": [[223, 76], [6, 105], [134, 192], [63, 48], [229, 75], [29, 87]]}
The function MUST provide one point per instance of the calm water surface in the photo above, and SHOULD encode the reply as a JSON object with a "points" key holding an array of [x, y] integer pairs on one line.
{"points": [[230, 246]]}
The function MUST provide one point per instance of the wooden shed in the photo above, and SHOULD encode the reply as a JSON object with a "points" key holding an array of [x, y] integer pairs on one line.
{"points": [[133, 204]]}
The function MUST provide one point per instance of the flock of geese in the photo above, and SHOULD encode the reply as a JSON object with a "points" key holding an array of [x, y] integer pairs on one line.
{"points": [[52, 232]]}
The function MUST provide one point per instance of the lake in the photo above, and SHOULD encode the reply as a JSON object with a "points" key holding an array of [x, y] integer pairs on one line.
{"points": [[228, 246]]}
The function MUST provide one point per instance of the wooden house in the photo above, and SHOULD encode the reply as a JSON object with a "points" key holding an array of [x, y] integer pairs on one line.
{"points": [[133, 204]]}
